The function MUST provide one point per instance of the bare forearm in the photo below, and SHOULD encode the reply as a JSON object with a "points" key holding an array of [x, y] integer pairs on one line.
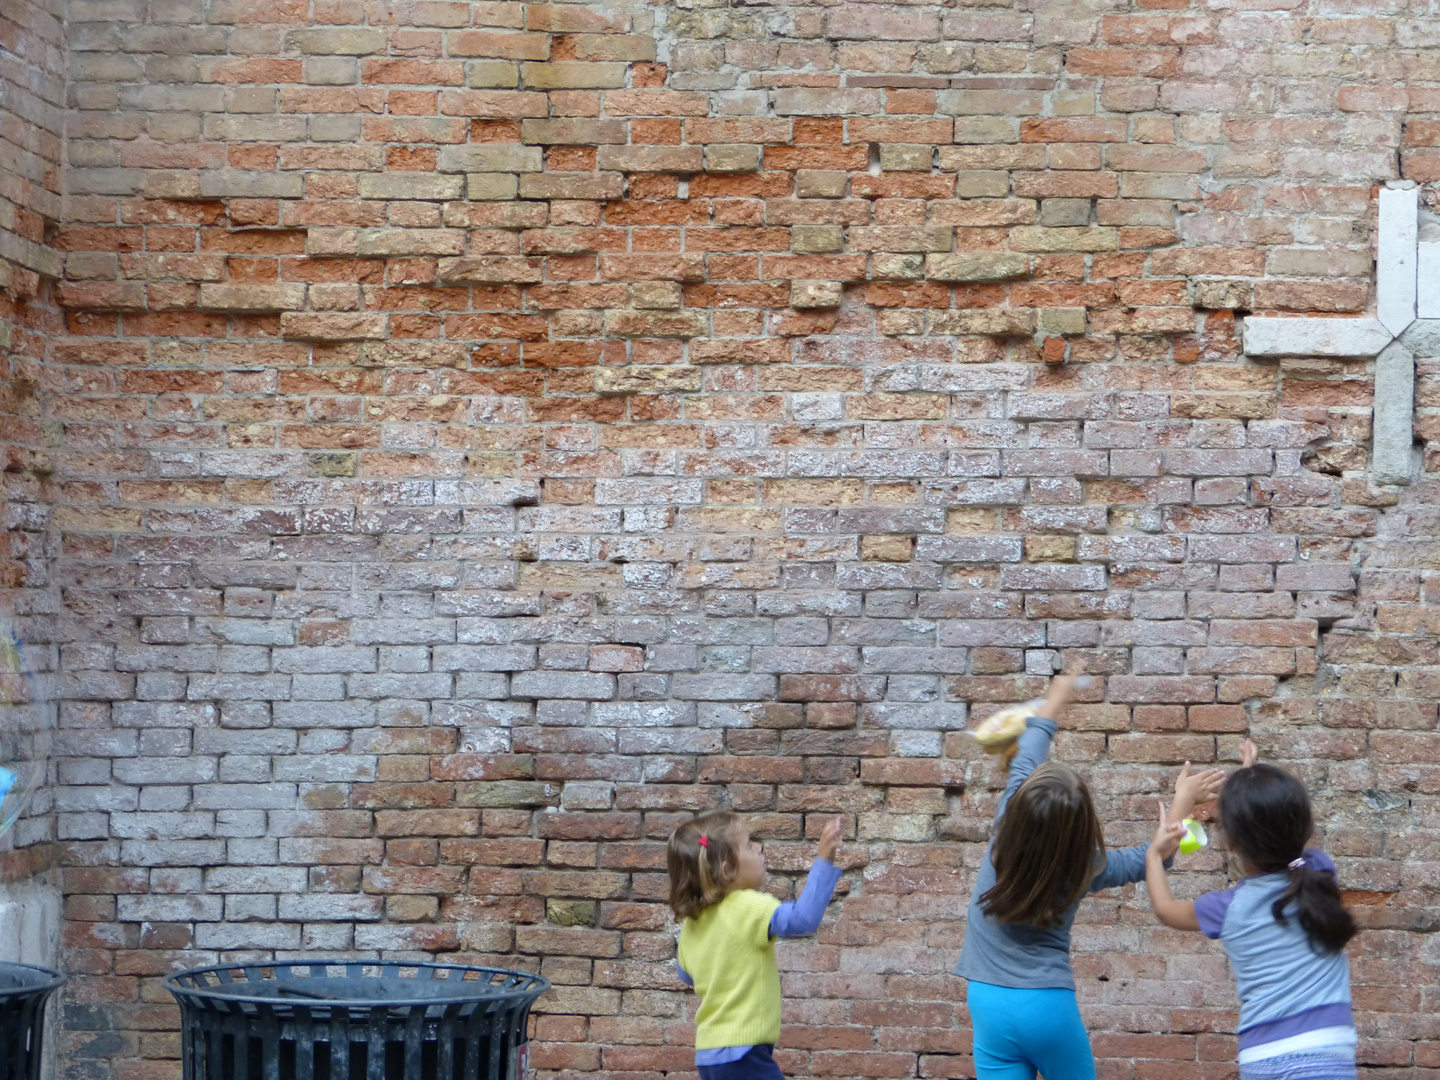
{"points": [[1177, 914], [1182, 806]]}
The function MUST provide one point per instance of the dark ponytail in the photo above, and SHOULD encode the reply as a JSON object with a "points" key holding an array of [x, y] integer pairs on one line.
{"points": [[1265, 813], [1322, 914]]}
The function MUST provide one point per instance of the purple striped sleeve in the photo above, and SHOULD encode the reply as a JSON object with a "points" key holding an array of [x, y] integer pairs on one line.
{"points": [[1210, 910]]}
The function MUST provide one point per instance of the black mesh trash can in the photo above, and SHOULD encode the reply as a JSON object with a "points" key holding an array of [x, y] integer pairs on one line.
{"points": [[23, 992], [354, 1020]]}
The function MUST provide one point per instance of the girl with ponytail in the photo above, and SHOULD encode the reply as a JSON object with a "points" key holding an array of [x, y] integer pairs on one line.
{"points": [[727, 938], [1283, 926]]}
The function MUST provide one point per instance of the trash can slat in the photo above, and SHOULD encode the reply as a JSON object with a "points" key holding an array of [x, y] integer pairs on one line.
{"points": [[353, 1020]]}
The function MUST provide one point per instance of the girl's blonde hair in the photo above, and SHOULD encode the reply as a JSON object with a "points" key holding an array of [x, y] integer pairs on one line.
{"points": [[1047, 849], [700, 873]]}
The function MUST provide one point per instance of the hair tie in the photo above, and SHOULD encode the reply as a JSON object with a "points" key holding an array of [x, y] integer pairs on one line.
{"points": [[1297, 864], [704, 840]]}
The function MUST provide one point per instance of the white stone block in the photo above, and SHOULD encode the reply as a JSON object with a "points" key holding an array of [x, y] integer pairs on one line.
{"points": [[1395, 258], [1315, 337], [1394, 430], [1427, 293]]}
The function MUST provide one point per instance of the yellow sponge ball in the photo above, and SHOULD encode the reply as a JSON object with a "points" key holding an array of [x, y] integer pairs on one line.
{"points": [[1005, 726]]}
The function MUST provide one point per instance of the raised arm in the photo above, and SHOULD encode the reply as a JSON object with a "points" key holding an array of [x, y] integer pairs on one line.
{"points": [[1177, 914], [801, 917], [1033, 746], [1124, 865]]}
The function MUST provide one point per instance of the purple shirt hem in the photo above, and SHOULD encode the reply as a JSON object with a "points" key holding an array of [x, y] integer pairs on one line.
{"points": [[1337, 1014]]}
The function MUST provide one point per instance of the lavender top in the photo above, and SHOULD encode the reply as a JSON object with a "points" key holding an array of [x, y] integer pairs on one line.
{"points": [[1286, 986]]}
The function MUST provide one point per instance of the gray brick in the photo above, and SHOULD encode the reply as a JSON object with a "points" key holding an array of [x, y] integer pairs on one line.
{"points": [[236, 183], [428, 685], [1242, 549], [172, 853], [648, 492], [484, 657], [177, 909], [490, 158], [247, 936], [922, 717], [269, 879], [244, 796], [583, 685], [339, 40], [981, 549], [165, 770], [992, 632], [338, 714], [1331, 577], [410, 185], [341, 768], [331, 908], [723, 687], [403, 631], [250, 908], [1051, 577], [910, 659], [239, 688], [166, 714], [109, 797], [315, 659]]}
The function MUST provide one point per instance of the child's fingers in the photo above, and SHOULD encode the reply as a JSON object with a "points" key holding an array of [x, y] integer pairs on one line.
{"points": [[1209, 778]]}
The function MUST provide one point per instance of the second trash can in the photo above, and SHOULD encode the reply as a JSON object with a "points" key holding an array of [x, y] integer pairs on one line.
{"points": [[354, 1020], [24, 990]]}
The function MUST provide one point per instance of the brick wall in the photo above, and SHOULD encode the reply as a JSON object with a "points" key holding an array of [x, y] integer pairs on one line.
{"points": [[31, 131], [490, 432]]}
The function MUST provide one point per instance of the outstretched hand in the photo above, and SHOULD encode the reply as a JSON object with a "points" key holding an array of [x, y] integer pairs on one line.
{"points": [[1192, 789], [1166, 841], [830, 839], [1249, 753]]}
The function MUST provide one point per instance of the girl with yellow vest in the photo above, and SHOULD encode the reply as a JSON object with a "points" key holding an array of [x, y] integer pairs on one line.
{"points": [[727, 938]]}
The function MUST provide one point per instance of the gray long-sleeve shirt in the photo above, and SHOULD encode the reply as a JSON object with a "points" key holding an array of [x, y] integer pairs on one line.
{"points": [[1027, 957]]}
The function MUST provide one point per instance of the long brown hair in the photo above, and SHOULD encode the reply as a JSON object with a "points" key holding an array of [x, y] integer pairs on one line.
{"points": [[1046, 850], [700, 874]]}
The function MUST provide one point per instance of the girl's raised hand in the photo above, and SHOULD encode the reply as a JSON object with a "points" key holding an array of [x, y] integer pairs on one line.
{"points": [[1058, 694], [1166, 841], [830, 839], [1192, 789], [1249, 754]]}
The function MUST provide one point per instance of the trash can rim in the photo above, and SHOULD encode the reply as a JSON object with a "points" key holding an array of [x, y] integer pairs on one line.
{"points": [[537, 985], [54, 980]]}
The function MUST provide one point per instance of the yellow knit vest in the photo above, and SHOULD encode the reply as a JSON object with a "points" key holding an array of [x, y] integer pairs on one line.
{"points": [[727, 950]]}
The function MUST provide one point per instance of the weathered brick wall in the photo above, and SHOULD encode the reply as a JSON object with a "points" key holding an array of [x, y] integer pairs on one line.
{"points": [[31, 132], [493, 431]]}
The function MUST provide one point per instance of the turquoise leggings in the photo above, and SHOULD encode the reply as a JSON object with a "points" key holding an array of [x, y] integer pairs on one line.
{"points": [[1020, 1031]]}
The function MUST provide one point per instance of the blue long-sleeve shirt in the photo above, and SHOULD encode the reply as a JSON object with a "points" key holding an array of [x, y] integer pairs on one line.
{"points": [[1027, 957], [794, 918]]}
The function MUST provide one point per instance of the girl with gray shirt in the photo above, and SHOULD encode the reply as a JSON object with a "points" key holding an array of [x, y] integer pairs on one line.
{"points": [[1047, 853]]}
